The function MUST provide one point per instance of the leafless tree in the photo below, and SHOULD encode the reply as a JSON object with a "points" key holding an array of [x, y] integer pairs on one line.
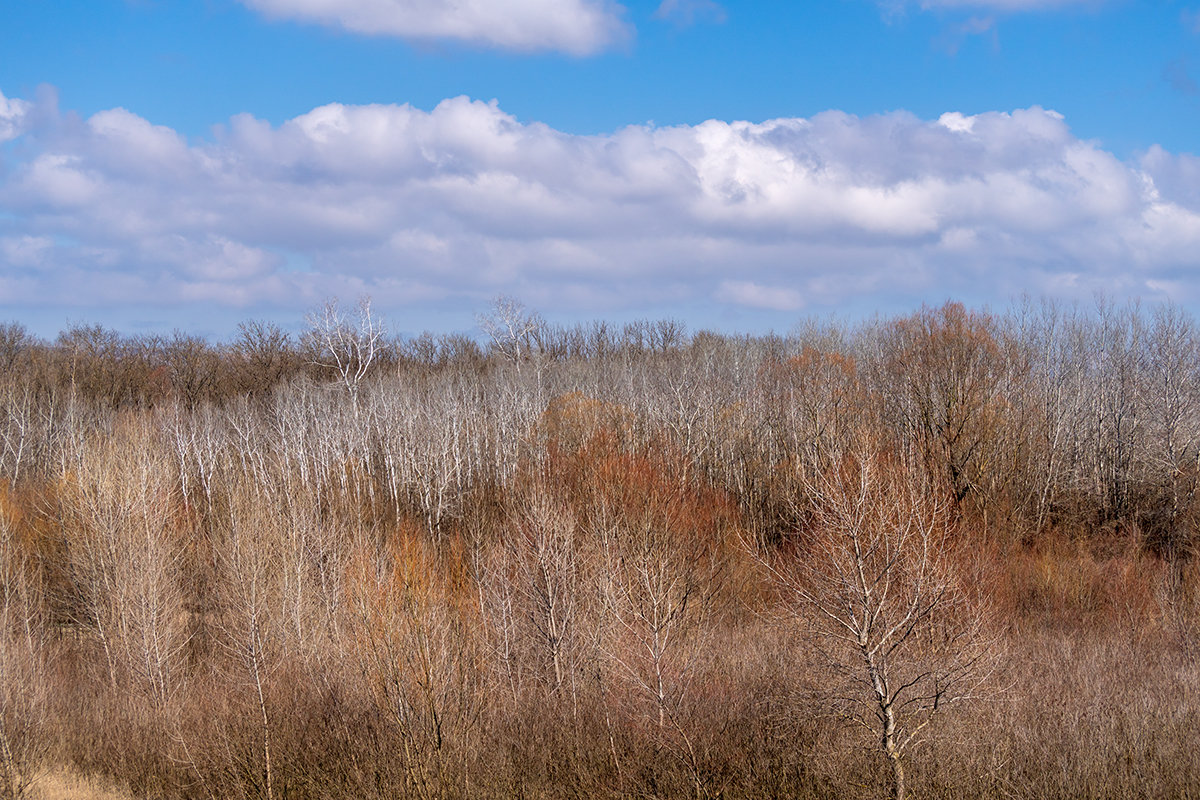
{"points": [[1051, 405], [871, 571], [1171, 446], [17, 426], [548, 569], [656, 587], [511, 328], [193, 367], [1115, 421], [16, 344], [23, 666], [415, 654], [262, 356], [252, 567], [943, 373], [124, 563], [347, 344]]}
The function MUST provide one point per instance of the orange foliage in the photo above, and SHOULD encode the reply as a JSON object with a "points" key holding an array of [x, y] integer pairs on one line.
{"points": [[410, 576], [592, 465], [573, 419], [24, 510], [1062, 584], [815, 363]]}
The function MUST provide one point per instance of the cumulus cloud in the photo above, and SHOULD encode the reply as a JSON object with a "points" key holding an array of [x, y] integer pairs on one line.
{"points": [[12, 116], [578, 27], [1174, 179], [463, 201]]}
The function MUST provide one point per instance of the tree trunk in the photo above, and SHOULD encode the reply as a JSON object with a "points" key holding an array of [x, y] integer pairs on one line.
{"points": [[898, 791]]}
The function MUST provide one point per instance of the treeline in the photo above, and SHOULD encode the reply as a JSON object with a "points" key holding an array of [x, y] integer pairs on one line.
{"points": [[606, 561], [101, 367]]}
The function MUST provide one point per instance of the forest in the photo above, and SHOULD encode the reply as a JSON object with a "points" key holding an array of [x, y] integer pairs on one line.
{"points": [[944, 554]]}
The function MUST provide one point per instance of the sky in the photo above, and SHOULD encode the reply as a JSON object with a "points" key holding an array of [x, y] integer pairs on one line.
{"points": [[737, 165]]}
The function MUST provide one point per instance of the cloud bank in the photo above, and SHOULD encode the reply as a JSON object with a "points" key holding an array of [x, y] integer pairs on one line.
{"points": [[578, 27], [455, 204]]}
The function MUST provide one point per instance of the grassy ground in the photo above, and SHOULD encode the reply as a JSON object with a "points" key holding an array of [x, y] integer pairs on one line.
{"points": [[65, 783]]}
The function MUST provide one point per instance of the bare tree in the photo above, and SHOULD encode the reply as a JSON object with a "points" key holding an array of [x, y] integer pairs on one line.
{"points": [[944, 373], [901, 637], [253, 564], [16, 344], [193, 367], [262, 356], [413, 646], [511, 328], [1116, 421], [656, 593], [124, 562], [1171, 448], [17, 420], [346, 344], [1052, 400], [548, 575], [23, 687]]}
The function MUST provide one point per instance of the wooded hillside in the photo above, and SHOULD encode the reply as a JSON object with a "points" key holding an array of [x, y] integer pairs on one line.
{"points": [[951, 554]]}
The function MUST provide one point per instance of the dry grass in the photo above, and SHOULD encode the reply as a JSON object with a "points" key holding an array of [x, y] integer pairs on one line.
{"points": [[64, 782]]}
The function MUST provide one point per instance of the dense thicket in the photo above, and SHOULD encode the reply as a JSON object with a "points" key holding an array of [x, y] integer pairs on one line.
{"points": [[606, 561]]}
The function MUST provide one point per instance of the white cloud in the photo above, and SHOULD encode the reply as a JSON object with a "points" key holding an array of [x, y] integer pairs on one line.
{"points": [[753, 295], [578, 27], [12, 117], [56, 181], [460, 202], [24, 251], [957, 122], [1173, 178]]}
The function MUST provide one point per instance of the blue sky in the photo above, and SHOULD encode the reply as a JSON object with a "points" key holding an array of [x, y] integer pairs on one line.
{"points": [[738, 165]]}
